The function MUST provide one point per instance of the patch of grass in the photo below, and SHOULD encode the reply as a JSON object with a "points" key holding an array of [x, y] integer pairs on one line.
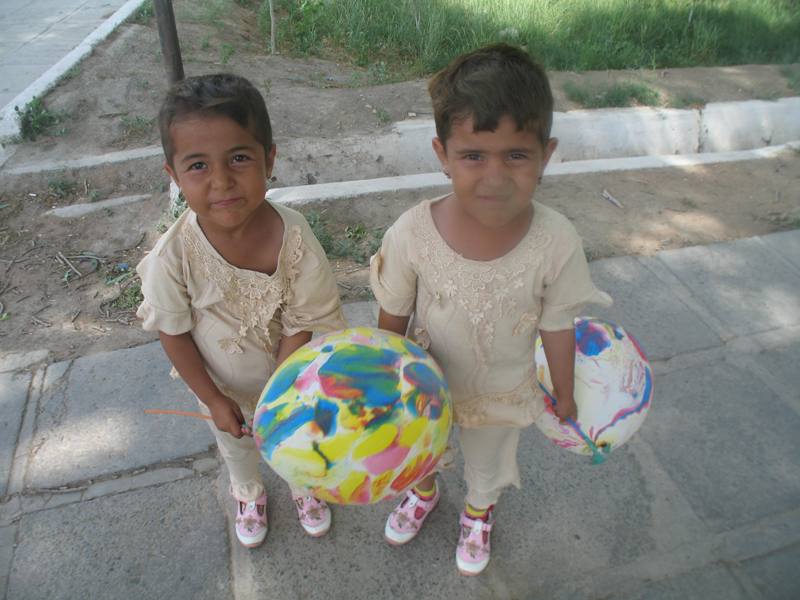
{"points": [[356, 242], [205, 44], [130, 296], [264, 24], [303, 26], [619, 94], [792, 77], [686, 101], [71, 73], [225, 53], [35, 119], [144, 13], [317, 225], [383, 116], [61, 188], [135, 127], [422, 36]]}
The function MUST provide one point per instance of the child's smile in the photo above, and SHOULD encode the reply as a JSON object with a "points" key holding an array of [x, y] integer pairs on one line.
{"points": [[494, 173], [222, 170]]}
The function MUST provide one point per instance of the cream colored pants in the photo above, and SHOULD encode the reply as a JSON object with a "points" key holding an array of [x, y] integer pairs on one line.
{"points": [[490, 462], [242, 459]]}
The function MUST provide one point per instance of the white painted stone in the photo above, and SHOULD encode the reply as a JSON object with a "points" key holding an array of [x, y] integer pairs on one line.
{"points": [[727, 126], [78, 210], [612, 133]]}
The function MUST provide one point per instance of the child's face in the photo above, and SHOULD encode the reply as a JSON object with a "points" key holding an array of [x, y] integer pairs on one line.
{"points": [[221, 168], [494, 173]]}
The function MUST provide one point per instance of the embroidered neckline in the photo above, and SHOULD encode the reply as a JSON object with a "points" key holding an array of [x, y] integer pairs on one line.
{"points": [[251, 297], [428, 206], [209, 247]]}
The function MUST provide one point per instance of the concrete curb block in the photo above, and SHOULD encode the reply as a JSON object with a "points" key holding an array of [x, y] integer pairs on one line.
{"points": [[79, 210], [433, 182], [9, 127], [88, 161]]}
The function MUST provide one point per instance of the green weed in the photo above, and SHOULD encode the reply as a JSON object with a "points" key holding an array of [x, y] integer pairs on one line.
{"points": [[320, 231], [383, 116], [225, 53], [618, 94], [61, 188], [35, 119], [130, 297], [135, 127], [144, 13], [686, 101], [205, 44], [264, 24], [792, 77]]}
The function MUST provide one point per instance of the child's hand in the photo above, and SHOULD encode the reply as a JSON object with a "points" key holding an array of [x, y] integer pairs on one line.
{"points": [[228, 416], [566, 408]]}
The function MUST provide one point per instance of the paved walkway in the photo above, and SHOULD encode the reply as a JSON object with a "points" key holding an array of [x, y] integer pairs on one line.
{"points": [[41, 41], [102, 501]]}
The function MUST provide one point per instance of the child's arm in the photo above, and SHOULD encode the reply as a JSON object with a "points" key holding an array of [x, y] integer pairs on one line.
{"points": [[392, 322], [559, 348], [185, 357], [290, 343]]}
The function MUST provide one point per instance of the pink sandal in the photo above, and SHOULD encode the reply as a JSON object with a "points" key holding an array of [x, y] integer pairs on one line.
{"points": [[251, 521], [404, 523]]}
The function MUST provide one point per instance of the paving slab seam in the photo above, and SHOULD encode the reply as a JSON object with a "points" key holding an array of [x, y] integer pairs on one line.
{"points": [[22, 451], [742, 580], [8, 541], [749, 541], [37, 500], [787, 394], [755, 343], [684, 293], [772, 251], [50, 385], [240, 559]]}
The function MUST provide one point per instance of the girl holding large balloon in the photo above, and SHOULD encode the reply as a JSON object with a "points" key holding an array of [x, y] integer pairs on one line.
{"points": [[473, 275]]}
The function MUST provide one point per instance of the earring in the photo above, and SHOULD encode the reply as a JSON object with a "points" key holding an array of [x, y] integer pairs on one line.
{"points": [[446, 173], [540, 179]]}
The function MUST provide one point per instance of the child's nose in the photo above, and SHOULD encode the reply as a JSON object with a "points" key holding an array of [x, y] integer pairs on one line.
{"points": [[221, 178], [496, 170]]}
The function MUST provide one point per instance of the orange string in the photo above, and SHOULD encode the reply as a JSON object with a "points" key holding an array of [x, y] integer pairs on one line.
{"points": [[180, 413]]}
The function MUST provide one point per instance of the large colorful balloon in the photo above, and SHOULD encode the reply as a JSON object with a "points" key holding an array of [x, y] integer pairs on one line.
{"points": [[613, 390], [354, 416]]}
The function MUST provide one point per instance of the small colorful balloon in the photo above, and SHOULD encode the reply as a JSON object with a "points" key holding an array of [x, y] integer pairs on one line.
{"points": [[613, 390], [354, 416]]}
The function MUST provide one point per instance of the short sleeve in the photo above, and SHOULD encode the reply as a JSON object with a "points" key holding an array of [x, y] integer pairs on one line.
{"points": [[313, 302], [166, 306], [568, 288], [392, 278]]}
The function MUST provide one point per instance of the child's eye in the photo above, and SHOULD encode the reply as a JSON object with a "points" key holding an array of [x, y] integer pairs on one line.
{"points": [[517, 156], [472, 156], [196, 166], [240, 158]]}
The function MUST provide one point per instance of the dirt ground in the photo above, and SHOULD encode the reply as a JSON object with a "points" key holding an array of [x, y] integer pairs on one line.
{"points": [[67, 285]]}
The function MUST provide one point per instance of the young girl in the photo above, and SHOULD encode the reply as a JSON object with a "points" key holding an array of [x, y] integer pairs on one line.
{"points": [[482, 269], [237, 283]]}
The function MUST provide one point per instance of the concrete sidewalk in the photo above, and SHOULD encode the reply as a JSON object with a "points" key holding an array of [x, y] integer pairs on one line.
{"points": [[43, 39], [102, 501]]}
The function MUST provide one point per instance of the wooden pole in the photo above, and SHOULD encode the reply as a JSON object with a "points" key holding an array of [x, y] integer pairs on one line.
{"points": [[168, 34]]}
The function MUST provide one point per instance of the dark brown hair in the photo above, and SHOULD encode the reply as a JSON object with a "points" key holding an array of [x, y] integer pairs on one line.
{"points": [[222, 94], [487, 84]]}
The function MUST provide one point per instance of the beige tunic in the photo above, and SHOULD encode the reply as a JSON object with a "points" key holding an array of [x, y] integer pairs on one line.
{"points": [[237, 316], [479, 319]]}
